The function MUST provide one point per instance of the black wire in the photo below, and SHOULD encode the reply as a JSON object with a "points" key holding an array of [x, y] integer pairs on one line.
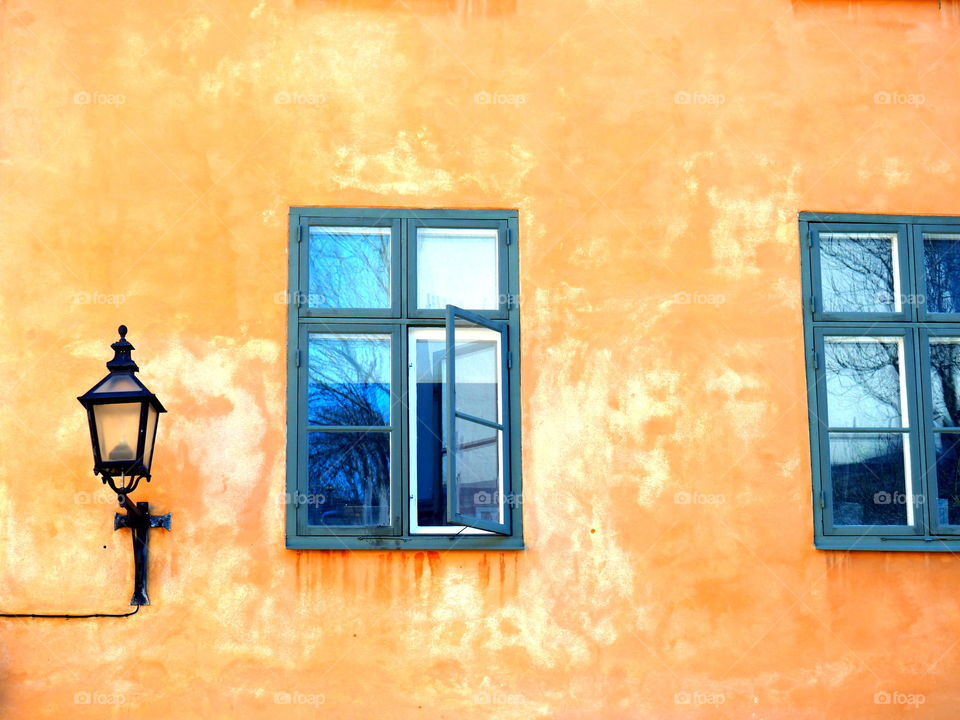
{"points": [[70, 617]]}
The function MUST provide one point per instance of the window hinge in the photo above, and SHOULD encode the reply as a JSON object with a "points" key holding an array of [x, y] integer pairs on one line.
{"points": [[506, 236], [509, 358], [813, 303], [298, 357], [809, 239], [823, 500], [816, 363], [303, 230]]}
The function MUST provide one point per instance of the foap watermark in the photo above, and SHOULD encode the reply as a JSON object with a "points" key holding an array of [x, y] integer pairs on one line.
{"points": [[99, 98], [692, 697], [685, 97], [914, 700], [299, 498], [888, 298], [298, 698], [300, 298], [94, 498], [698, 498], [493, 499], [97, 298], [298, 98], [898, 98], [97, 697], [499, 98], [897, 498], [495, 697], [509, 300], [699, 298]]}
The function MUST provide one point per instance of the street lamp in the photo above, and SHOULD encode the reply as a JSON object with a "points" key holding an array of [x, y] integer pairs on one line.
{"points": [[122, 414]]}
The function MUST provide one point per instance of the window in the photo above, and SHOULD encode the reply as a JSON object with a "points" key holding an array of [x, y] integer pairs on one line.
{"points": [[403, 376], [882, 332]]}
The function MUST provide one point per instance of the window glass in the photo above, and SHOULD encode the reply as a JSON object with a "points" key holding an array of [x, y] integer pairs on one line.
{"points": [[457, 266], [865, 382], [947, 450], [349, 478], [941, 254], [349, 267], [428, 349], [945, 380], [859, 272], [870, 474], [476, 458], [348, 380], [479, 472], [427, 437]]}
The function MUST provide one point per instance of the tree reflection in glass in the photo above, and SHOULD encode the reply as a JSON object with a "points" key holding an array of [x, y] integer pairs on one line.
{"points": [[349, 267], [348, 379], [870, 470], [859, 272], [945, 394], [941, 254]]}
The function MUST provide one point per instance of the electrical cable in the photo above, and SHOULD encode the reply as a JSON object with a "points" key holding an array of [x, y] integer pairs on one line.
{"points": [[71, 617]]}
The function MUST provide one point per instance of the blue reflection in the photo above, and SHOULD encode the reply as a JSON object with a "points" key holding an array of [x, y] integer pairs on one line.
{"points": [[869, 479], [857, 272], [942, 260], [349, 267], [348, 380], [348, 478]]}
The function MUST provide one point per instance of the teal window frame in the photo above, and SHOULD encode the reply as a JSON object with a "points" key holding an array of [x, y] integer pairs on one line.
{"points": [[915, 325], [396, 321]]}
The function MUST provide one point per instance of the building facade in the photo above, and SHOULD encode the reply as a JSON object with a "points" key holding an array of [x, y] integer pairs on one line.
{"points": [[648, 164]]}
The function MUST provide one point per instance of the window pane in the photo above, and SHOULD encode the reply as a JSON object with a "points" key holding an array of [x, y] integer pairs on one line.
{"points": [[945, 381], [348, 478], [870, 476], [457, 266], [478, 471], [947, 447], [941, 253], [859, 272], [348, 380], [477, 374], [865, 382], [349, 267], [430, 440]]}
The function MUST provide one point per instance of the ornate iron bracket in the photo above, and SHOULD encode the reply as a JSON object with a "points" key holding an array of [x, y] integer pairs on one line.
{"points": [[139, 520]]}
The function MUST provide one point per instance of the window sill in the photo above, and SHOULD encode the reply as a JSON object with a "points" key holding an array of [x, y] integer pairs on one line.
{"points": [[444, 542], [850, 543]]}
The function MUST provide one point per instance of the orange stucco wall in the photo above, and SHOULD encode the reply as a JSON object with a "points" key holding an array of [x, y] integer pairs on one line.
{"points": [[658, 153]]}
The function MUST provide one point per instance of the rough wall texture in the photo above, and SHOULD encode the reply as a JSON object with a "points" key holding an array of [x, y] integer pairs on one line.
{"points": [[658, 153]]}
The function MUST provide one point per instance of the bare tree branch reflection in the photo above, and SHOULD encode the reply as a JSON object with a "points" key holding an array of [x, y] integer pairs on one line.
{"points": [[350, 267], [349, 386], [857, 272]]}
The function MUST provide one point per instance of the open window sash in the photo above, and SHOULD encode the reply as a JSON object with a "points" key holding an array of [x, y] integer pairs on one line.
{"points": [[478, 422]]}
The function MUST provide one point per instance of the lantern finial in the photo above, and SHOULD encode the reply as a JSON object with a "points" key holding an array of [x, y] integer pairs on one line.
{"points": [[122, 362]]}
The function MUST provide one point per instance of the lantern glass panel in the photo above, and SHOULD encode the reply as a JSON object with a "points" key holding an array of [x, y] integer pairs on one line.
{"points": [[148, 438], [118, 425]]}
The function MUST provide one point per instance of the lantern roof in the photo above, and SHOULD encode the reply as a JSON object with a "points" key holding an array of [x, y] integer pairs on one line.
{"points": [[121, 383]]}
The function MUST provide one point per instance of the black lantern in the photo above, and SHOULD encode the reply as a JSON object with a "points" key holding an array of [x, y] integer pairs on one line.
{"points": [[123, 414]]}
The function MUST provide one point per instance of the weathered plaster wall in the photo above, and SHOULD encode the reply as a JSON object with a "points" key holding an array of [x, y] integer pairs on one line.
{"points": [[665, 441]]}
